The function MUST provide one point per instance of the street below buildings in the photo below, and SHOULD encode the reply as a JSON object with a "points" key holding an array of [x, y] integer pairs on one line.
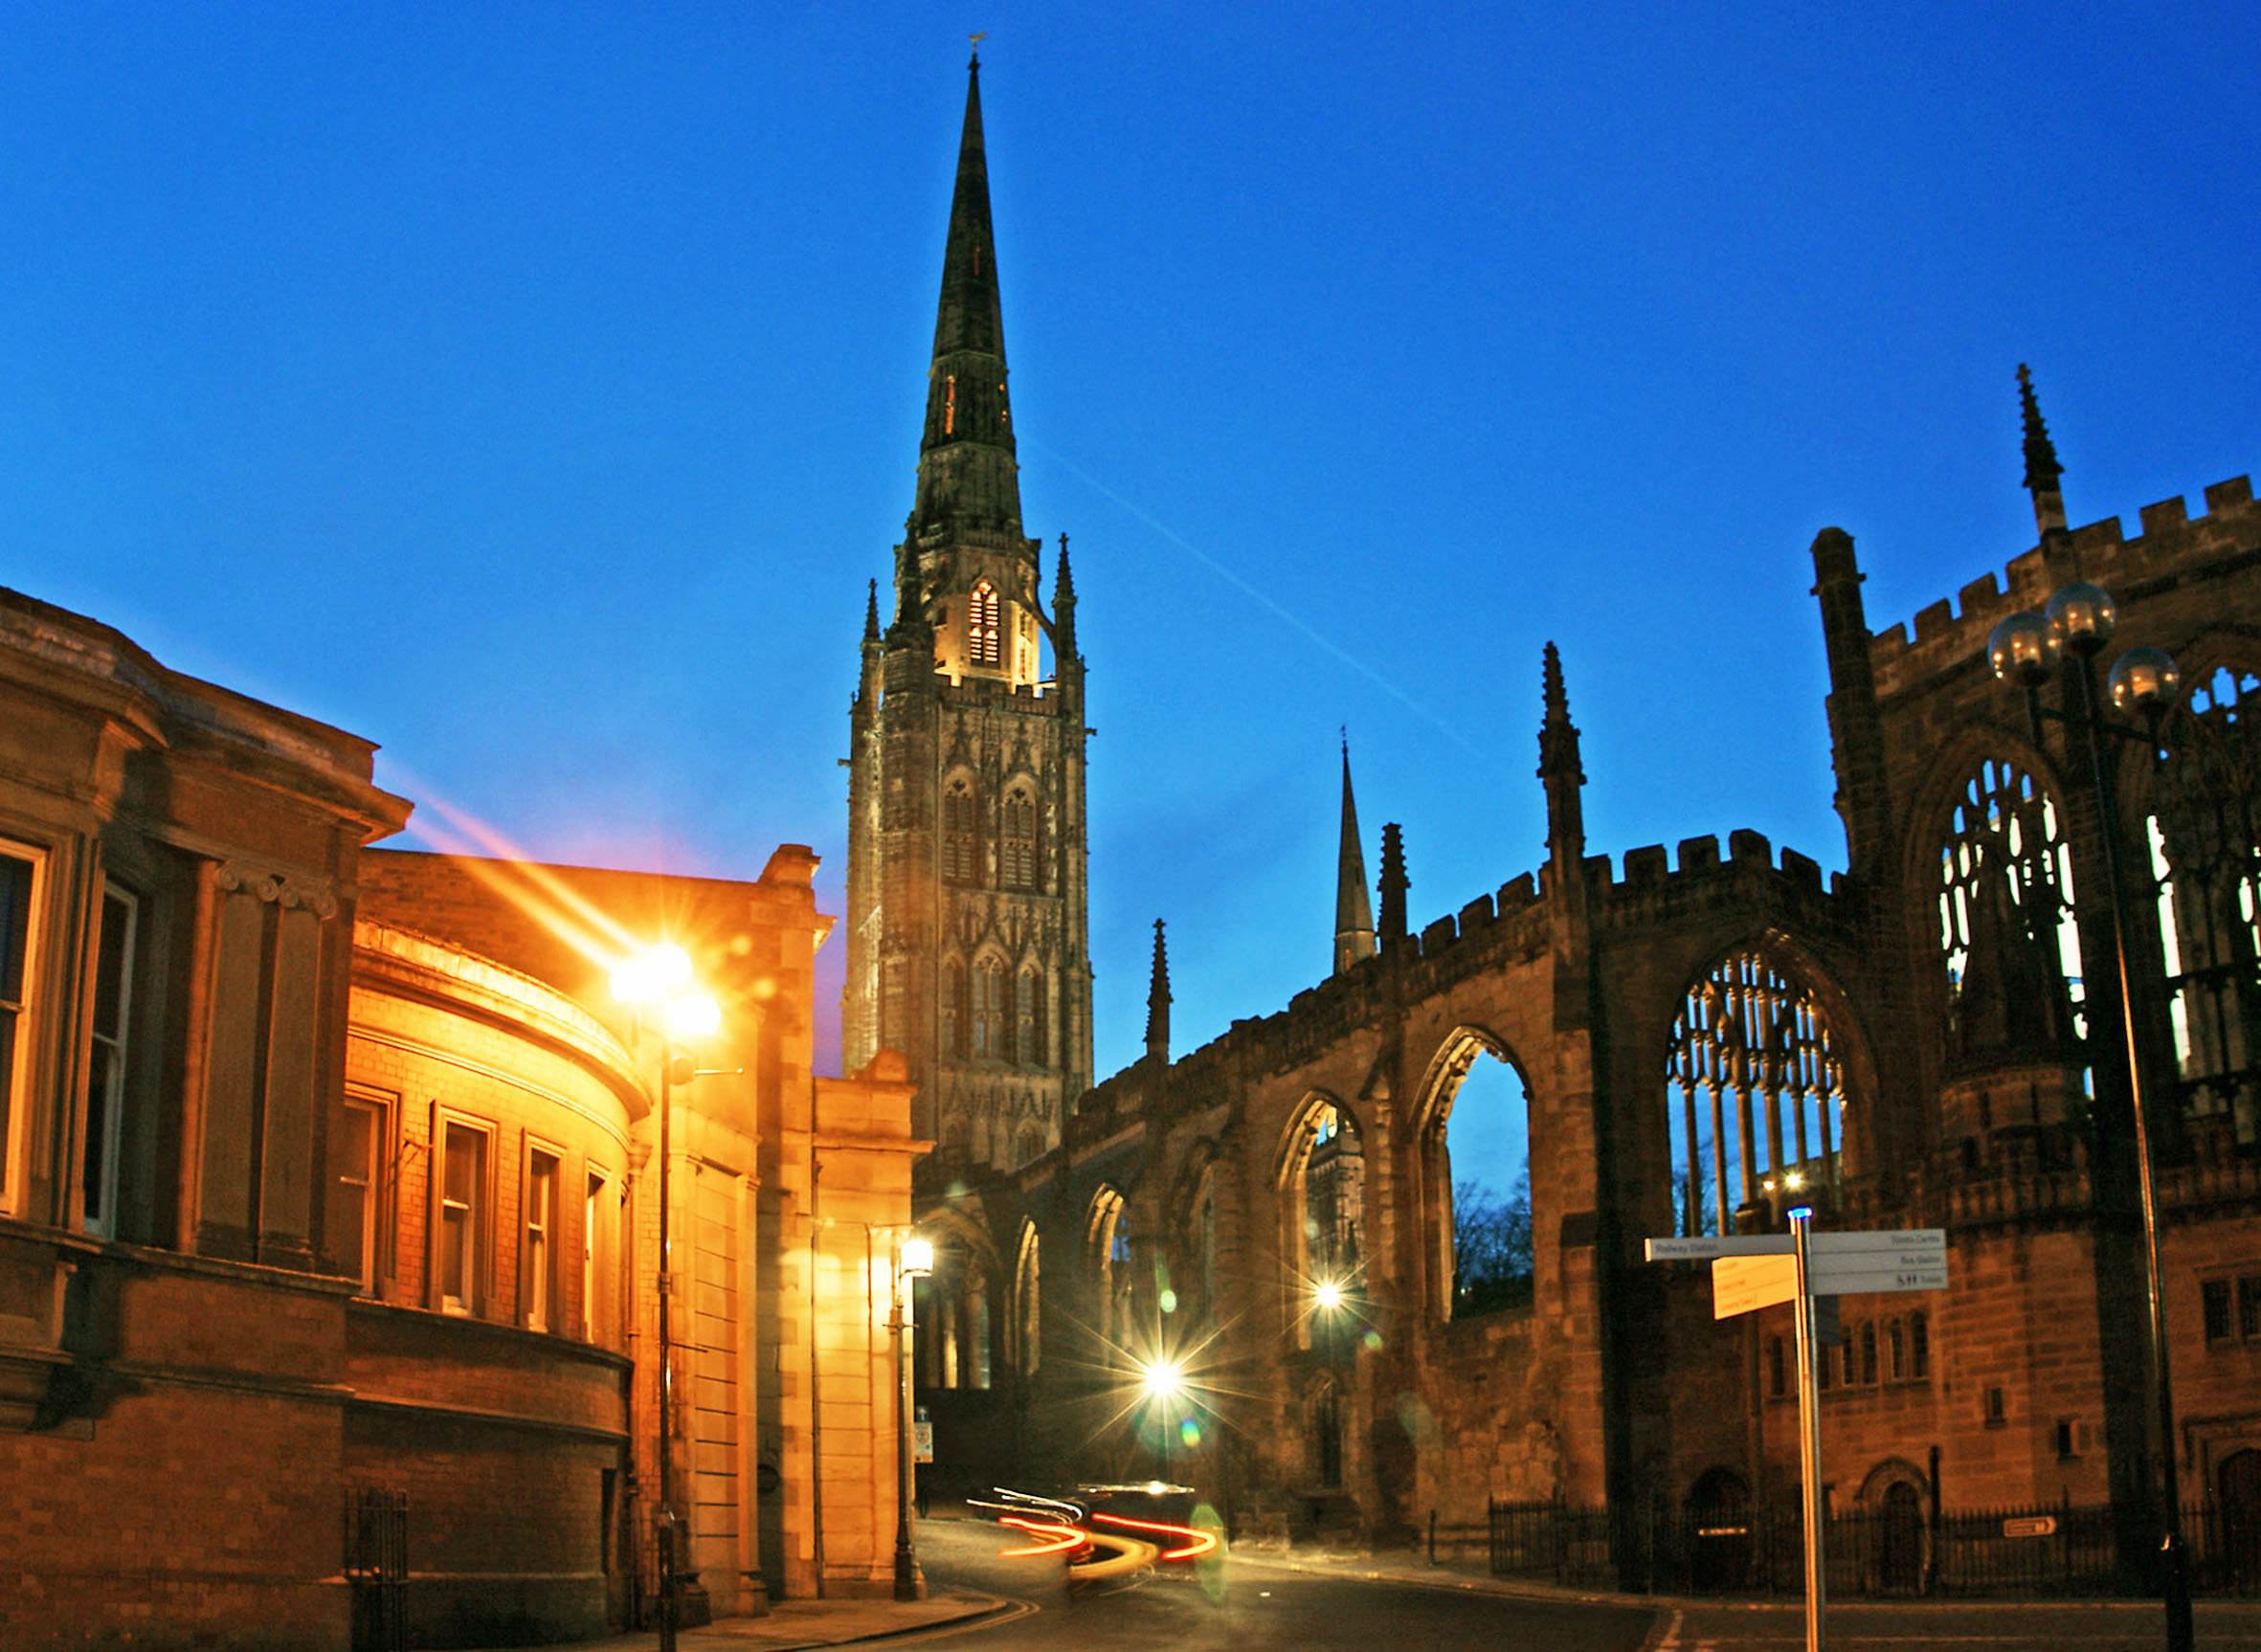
{"points": [[1360, 1604], [1238, 1607]]}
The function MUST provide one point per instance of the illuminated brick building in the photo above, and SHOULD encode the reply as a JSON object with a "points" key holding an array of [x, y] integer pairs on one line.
{"points": [[329, 1170]]}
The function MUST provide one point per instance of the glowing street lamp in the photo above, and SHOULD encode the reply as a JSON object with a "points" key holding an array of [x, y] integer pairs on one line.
{"points": [[658, 979], [2027, 650], [1326, 1296], [1162, 1379]]}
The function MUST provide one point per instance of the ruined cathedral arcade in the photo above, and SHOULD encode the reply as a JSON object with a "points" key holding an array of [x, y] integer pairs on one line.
{"points": [[1704, 1036]]}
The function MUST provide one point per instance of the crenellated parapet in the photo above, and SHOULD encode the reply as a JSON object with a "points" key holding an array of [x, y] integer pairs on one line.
{"points": [[2172, 546]]}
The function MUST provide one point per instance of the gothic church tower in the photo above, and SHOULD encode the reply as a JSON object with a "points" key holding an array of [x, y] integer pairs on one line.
{"points": [[968, 930]]}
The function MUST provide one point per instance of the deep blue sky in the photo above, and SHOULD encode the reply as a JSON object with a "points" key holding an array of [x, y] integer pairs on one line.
{"points": [[532, 390]]}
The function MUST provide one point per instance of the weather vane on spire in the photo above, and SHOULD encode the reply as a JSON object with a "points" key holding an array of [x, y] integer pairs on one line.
{"points": [[977, 40]]}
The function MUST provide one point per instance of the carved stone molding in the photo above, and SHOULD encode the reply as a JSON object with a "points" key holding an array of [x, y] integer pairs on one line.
{"points": [[234, 877]]}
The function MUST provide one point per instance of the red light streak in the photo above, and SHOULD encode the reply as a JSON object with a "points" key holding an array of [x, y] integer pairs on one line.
{"points": [[1061, 1538], [1198, 1543]]}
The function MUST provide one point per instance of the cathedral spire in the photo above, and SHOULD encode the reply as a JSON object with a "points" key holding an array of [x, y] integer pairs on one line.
{"points": [[2042, 469], [1354, 913], [1158, 1001], [871, 613], [968, 476]]}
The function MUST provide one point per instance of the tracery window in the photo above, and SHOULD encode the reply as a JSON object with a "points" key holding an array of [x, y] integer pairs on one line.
{"points": [[1016, 844], [1752, 1063], [1028, 1015], [958, 1018], [2006, 865], [981, 625], [961, 833], [989, 1008], [2206, 853]]}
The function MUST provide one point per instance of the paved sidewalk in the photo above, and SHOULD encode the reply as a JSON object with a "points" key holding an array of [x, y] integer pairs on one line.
{"points": [[791, 1624]]}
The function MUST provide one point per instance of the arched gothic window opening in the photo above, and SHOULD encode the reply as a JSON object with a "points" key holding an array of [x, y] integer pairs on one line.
{"points": [[1205, 1240], [981, 625], [954, 1339], [1109, 1238], [1027, 1307], [1028, 1020], [961, 833], [2204, 838], [1016, 844], [2006, 902], [1477, 1158], [989, 1008], [1334, 1197], [1754, 1095], [958, 1018]]}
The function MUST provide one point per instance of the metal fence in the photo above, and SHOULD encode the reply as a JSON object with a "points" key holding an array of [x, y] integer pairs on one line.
{"points": [[2035, 1550], [376, 1566]]}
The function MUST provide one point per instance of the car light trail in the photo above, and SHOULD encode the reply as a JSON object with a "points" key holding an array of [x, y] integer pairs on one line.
{"points": [[1195, 1543], [1052, 1538]]}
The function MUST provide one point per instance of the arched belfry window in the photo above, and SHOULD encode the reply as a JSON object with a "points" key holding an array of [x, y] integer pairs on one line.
{"points": [[981, 625], [2005, 891], [961, 833], [1017, 839], [2205, 853], [1755, 1093]]}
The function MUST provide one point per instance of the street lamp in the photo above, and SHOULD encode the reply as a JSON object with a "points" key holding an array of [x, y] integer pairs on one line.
{"points": [[659, 978], [2028, 649], [914, 1259], [1161, 1381]]}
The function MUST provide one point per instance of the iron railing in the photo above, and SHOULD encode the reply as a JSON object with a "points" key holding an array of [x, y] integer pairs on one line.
{"points": [[2030, 1550]]}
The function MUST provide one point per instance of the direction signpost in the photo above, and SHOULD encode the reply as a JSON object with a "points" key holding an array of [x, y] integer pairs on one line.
{"points": [[1810, 1271]]}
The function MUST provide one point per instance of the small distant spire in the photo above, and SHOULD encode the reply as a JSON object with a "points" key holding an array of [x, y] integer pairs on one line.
{"points": [[1353, 912], [1158, 1001], [1394, 885], [2043, 472], [871, 613]]}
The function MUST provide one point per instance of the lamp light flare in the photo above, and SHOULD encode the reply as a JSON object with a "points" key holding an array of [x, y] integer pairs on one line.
{"points": [[1327, 1295], [1162, 1378], [918, 1257], [694, 1015], [652, 973]]}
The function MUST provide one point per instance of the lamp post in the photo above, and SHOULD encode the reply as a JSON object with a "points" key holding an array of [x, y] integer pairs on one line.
{"points": [[914, 1259], [661, 978], [2028, 649]]}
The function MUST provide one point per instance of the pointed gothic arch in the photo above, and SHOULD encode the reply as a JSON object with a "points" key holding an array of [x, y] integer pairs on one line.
{"points": [[1756, 1058], [1028, 1327], [1019, 853], [1446, 1276], [957, 1344], [961, 830], [1320, 1173], [1107, 1241], [2199, 805]]}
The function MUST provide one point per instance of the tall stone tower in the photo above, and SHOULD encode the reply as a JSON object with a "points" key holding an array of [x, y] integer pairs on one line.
{"points": [[969, 944]]}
